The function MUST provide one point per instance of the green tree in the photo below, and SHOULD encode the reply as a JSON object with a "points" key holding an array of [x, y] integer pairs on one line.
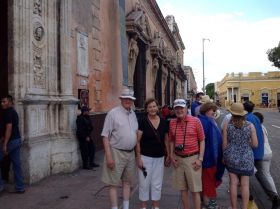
{"points": [[210, 90], [274, 56]]}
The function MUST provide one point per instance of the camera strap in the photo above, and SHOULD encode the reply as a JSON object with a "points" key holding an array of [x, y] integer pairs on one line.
{"points": [[154, 130], [185, 132]]}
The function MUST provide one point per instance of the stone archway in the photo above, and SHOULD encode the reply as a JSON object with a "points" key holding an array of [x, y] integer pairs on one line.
{"points": [[139, 76]]}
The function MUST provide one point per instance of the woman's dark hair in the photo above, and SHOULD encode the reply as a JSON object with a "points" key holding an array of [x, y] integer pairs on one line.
{"points": [[259, 115], [9, 98], [206, 107], [149, 101], [249, 106]]}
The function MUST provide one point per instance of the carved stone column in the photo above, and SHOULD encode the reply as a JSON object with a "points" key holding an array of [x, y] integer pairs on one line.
{"points": [[68, 104], [164, 81], [68, 100], [172, 77], [65, 52]]}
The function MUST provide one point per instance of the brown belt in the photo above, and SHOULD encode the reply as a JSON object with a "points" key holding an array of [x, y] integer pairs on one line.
{"points": [[186, 155]]}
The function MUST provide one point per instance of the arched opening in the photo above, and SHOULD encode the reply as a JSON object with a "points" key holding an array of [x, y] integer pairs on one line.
{"points": [[167, 89], [139, 77]]}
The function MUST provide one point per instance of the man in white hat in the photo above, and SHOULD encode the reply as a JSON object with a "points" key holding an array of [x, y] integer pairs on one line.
{"points": [[187, 151], [119, 139]]}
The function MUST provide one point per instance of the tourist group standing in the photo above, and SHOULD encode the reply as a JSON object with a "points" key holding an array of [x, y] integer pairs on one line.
{"points": [[198, 149]]}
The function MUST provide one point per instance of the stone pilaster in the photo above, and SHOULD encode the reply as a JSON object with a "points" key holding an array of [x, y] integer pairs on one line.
{"points": [[164, 81], [41, 82]]}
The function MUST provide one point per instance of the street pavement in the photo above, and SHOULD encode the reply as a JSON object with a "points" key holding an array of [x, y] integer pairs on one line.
{"points": [[83, 189]]}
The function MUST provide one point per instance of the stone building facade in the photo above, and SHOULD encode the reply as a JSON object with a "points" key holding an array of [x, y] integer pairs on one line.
{"points": [[57, 55], [263, 89], [190, 85]]}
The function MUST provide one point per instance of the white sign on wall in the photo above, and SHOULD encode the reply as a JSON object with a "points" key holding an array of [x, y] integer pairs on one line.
{"points": [[82, 48]]}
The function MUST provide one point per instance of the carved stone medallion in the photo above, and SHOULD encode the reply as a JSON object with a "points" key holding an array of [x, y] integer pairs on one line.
{"points": [[38, 32]]}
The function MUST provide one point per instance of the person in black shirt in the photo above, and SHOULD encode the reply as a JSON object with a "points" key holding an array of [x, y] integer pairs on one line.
{"points": [[87, 147], [152, 145], [11, 142]]}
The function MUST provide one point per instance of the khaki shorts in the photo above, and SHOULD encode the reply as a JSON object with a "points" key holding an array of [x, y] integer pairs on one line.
{"points": [[185, 177], [124, 168]]}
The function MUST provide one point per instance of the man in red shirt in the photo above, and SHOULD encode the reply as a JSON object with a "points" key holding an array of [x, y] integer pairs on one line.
{"points": [[186, 151]]}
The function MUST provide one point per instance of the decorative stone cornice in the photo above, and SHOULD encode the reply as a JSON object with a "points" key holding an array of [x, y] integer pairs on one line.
{"points": [[41, 99], [175, 30], [157, 47], [180, 72], [163, 22], [137, 23]]}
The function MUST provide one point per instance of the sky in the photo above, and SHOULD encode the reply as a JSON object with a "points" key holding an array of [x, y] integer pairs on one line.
{"points": [[240, 33]]}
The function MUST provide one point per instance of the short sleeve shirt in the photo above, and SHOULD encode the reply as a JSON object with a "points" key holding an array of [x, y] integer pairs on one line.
{"points": [[152, 145], [121, 127], [189, 128], [10, 116]]}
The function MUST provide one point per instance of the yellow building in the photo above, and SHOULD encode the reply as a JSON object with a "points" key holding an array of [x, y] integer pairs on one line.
{"points": [[263, 89]]}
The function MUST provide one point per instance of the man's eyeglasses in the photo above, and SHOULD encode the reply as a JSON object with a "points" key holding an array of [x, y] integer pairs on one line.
{"points": [[144, 172]]}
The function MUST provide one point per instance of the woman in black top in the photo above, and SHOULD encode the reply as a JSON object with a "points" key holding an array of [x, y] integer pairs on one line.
{"points": [[152, 146]]}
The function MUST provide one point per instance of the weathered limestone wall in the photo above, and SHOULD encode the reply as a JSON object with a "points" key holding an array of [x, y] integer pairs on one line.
{"points": [[98, 22], [41, 81]]}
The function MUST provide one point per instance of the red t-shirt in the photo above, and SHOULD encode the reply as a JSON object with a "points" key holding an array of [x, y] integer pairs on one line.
{"points": [[189, 128]]}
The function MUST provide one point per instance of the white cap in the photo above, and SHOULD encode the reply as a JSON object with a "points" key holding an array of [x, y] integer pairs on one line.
{"points": [[179, 103]]}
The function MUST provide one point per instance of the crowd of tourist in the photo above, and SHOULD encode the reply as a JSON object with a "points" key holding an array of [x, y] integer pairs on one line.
{"points": [[185, 136]]}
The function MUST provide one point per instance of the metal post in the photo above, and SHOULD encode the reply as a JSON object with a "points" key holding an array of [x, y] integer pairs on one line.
{"points": [[204, 39]]}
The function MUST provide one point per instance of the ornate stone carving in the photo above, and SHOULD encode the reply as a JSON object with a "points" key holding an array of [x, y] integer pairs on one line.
{"points": [[138, 22], [38, 32], [155, 67], [37, 7], [164, 81], [38, 71], [158, 46], [133, 51]]}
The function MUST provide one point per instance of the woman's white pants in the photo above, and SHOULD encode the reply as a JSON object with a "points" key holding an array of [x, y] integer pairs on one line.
{"points": [[153, 181]]}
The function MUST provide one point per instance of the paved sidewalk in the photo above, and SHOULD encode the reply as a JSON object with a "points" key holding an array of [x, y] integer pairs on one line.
{"points": [[83, 189]]}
